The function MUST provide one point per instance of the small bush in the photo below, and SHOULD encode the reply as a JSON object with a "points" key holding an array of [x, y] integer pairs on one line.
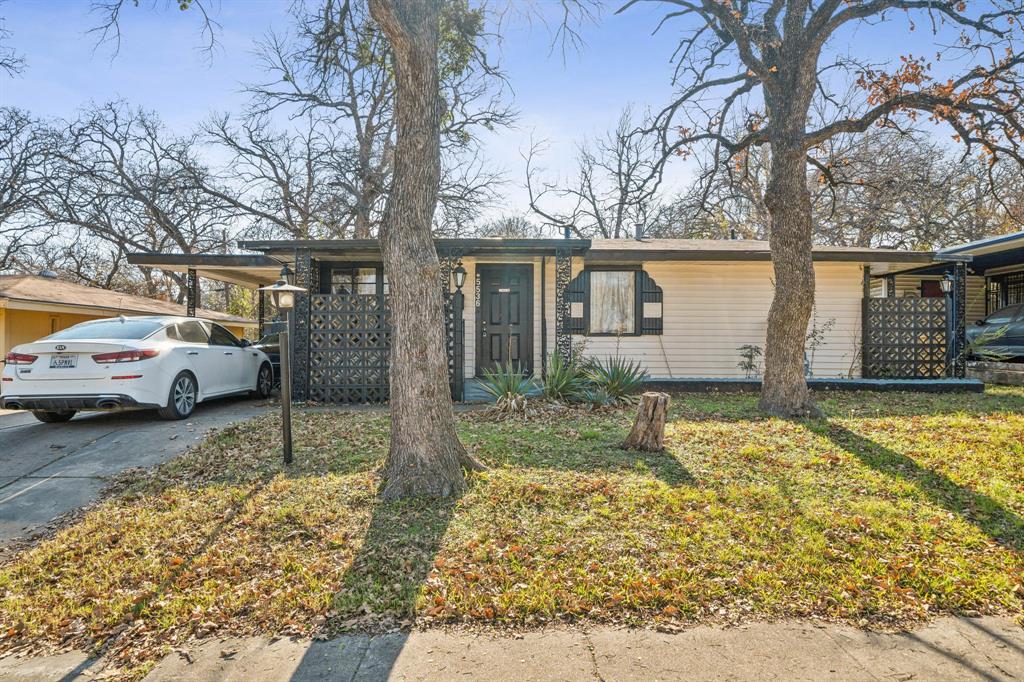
{"points": [[510, 387], [618, 377], [564, 382]]}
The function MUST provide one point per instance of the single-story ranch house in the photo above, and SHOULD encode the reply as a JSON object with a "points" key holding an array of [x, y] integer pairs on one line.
{"points": [[683, 308]]}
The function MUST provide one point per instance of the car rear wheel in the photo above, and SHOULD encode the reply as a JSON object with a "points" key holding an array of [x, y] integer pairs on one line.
{"points": [[264, 382], [53, 416], [182, 397]]}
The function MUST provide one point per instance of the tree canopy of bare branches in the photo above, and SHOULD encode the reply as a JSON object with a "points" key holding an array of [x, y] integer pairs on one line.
{"points": [[336, 69], [749, 72], [614, 188], [115, 179]]}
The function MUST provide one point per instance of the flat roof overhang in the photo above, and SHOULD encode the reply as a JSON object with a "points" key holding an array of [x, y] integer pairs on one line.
{"points": [[325, 248], [820, 255], [994, 252], [249, 271]]}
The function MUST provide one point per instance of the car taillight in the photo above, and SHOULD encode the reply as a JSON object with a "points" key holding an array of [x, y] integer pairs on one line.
{"points": [[125, 356], [20, 359]]}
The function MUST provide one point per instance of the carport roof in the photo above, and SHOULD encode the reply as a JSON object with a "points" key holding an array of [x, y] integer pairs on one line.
{"points": [[249, 271]]}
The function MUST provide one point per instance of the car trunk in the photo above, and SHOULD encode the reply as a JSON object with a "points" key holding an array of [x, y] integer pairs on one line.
{"points": [[66, 360]]}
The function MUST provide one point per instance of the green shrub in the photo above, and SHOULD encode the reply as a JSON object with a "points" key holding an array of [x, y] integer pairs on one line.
{"points": [[510, 387], [564, 381], [618, 377]]}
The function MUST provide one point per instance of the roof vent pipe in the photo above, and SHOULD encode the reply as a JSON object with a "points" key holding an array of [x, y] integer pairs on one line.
{"points": [[567, 231], [48, 274], [732, 234], [638, 232]]}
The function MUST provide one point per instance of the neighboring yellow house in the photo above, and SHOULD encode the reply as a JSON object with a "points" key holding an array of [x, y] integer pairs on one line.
{"points": [[32, 307]]}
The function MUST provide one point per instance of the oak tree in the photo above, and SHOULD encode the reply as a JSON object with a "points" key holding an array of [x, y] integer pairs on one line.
{"points": [[752, 69]]}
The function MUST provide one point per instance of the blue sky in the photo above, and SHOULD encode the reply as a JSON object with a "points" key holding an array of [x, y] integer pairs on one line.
{"points": [[159, 67]]}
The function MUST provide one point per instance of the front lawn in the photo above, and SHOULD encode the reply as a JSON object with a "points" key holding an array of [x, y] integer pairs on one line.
{"points": [[896, 508]]}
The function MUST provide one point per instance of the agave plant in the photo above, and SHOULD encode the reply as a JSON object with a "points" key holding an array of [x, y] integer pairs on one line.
{"points": [[564, 381], [618, 377], [595, 397], [510, 387]]}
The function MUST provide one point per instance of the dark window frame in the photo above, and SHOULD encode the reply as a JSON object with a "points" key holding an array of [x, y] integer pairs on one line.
{"points": [[327, 269]]}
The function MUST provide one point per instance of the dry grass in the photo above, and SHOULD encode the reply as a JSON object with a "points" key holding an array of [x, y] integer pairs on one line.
{"points": [[895, 508]]}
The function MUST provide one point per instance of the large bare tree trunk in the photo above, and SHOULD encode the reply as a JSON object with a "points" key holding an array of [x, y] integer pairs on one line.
{"points": [[425, 457], [784, 392]]}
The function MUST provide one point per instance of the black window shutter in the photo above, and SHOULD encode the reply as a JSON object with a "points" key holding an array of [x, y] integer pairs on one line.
{"points": [[576, 292], [650, 292]]}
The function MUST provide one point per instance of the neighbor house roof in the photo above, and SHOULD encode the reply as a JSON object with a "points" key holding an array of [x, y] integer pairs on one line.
{"points": [[31, 291]]}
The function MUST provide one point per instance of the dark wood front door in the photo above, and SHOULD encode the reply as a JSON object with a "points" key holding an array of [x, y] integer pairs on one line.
{"points": [[504, 320]]}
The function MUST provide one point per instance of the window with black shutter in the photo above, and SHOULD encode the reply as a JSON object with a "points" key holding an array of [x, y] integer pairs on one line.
{"points": [[614, 301]]}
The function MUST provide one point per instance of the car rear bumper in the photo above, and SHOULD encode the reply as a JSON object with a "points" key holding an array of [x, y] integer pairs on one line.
{"points": [[101, 401]]}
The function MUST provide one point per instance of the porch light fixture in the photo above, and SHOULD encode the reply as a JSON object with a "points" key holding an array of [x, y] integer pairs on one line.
{"points": [[283, 296], [947, 284], [460, 275]]}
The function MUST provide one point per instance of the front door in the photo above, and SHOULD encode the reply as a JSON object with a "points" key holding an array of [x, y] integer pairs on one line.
{"points": [[504, 320]]}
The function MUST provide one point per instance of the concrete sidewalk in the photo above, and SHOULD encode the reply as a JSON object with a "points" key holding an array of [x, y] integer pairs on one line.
{"points": [[948, 649]]}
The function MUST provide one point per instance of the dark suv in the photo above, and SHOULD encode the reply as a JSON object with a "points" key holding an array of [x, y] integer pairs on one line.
{"points": [[1009, 344]]}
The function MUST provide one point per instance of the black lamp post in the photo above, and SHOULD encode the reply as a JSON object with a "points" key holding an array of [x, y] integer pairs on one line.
{"points": [[283, 296], [946, 283]]}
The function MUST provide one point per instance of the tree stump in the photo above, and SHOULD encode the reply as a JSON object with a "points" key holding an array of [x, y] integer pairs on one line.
{"points": [[649, 427]]}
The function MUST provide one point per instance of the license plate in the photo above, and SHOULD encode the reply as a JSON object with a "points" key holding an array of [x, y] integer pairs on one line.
{"points": [[63, 361]]}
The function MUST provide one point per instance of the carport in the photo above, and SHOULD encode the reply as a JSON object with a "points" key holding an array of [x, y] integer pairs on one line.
{"points": [[246, 271]]}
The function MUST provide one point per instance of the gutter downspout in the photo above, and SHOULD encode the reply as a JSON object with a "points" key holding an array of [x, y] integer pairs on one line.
{"points": [[543, 319]]}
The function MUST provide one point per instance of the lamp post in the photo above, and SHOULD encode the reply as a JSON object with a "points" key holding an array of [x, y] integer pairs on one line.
{"points": [[946, 283], [283, 296]]}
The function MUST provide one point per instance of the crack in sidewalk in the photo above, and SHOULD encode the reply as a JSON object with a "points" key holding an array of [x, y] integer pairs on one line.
{"points": [[593, 657]]}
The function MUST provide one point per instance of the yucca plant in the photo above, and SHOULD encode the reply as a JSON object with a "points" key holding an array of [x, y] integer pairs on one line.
{"points": [[564, 381], [595, 397], [618, 377], [510, 387]]}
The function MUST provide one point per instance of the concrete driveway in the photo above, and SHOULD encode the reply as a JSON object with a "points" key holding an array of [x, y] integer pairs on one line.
{"points": [[49, 469]]}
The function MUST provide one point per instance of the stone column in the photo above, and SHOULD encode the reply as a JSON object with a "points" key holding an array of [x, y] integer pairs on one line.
{"points": [[191, 292], [300, 325]]}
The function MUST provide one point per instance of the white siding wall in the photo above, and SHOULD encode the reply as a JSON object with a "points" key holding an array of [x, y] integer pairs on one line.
{"points": [[712, 308]]}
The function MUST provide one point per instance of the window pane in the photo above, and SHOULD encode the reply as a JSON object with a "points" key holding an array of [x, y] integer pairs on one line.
{"points": [[341, 281], [612, 302], [366, 281], [219, 336], [117, 328], [192, 332]]}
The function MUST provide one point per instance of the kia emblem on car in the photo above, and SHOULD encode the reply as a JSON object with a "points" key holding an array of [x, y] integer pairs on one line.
{"points": [[61, 346]]}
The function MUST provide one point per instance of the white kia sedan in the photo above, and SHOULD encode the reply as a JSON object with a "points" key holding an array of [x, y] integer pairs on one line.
{"points": [[170, 363]]}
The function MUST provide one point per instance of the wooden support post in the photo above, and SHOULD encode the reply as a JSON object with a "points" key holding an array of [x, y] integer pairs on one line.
{"points": [[649, 427]]}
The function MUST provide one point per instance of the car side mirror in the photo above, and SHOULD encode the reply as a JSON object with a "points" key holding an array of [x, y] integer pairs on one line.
{"points": [[245, 343], [979, 323]]}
